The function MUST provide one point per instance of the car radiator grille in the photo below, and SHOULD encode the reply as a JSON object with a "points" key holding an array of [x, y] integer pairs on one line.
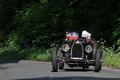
{"points": [[77, 50]]}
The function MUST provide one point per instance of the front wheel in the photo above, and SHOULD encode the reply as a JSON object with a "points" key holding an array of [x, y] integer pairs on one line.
{"points": [[98, 60], [54, 60]]}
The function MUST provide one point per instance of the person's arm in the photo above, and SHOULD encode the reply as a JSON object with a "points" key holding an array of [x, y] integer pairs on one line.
{"points": [[66, 39], [63, 41]]}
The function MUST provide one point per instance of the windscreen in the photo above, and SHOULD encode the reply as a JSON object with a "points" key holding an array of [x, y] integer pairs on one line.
{"points": [[74, 34]]}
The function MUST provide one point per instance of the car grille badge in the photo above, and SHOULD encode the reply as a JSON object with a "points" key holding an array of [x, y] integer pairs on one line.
{"points": [[77, 42]]}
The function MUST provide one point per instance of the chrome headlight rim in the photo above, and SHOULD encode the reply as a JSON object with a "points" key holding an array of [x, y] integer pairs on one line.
{"points": [[65, 47], [88, 48]]}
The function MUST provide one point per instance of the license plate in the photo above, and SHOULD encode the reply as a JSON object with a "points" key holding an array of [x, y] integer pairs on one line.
{"points": [[76, 58]]}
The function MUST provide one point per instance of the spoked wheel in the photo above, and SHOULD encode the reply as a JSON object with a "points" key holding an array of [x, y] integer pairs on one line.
{"points": [[54, 60], [61, 64], [98, 60]]}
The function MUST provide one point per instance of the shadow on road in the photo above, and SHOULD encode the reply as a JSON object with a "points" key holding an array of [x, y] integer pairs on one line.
{"points": [[6, 61], [75, 70], [70, 78], [78, 70]]}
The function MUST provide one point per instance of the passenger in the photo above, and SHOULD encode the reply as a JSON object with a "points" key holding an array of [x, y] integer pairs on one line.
{"points": [[86, 34]]}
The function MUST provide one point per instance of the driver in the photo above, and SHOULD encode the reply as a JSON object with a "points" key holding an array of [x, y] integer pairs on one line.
{"points": [[67, 33]]}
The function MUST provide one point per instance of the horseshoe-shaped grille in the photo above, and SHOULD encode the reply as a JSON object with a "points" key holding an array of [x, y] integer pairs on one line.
{"points": [[77, 50]]}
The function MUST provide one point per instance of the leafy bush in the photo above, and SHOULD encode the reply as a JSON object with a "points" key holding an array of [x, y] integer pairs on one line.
{"points": [[111, 56], [43, 22], [26, 54]]}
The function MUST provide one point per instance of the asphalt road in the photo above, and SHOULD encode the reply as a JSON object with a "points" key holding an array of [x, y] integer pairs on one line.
{"points": [[35, 70]]}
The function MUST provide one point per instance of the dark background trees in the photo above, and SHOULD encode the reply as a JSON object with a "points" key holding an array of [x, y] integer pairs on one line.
{"points": [[38, 23]]}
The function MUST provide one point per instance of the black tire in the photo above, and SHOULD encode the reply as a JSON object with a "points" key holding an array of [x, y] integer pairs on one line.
{"points": [[54, 60], [94, 48], [100, 67], [61, 64], [98, 60]]}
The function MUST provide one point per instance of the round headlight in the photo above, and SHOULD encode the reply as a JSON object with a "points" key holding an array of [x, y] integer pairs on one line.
{"points": [[65, 47], [88, 48]]}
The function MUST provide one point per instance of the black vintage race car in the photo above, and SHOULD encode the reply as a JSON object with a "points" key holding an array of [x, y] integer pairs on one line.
{"points": [[83, 52]]}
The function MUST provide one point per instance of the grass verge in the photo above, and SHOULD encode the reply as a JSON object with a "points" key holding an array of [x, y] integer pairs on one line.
{"points": [[26, 54], [111, 58]]}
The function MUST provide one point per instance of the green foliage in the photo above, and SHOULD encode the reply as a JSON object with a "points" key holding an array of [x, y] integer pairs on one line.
{"points": [[111, 57], [43, 22], [29, 25], [7, 12], [116, 33], [26, 54]]}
